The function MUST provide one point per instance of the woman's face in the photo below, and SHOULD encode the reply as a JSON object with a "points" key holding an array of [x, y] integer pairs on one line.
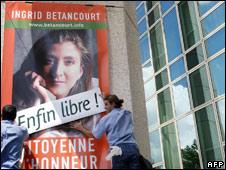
{"points": [[108, 106], [62, 68]]}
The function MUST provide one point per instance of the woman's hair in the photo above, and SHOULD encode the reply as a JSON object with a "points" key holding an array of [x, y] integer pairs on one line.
{"points": [[35, 61], [114, 99]]}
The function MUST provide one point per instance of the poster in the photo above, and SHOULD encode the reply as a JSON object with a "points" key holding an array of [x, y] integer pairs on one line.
{"points": [[51, 52]]}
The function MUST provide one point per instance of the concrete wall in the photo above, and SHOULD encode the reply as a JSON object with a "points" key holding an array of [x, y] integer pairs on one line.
{"points": [[124, 63], [136, 79]]}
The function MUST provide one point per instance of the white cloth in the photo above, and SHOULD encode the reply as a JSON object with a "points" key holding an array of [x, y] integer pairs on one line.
{"points": [[115, 151]]}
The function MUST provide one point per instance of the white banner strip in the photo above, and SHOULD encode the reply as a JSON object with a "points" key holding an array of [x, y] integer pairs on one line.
{"points": [[61, 111]]}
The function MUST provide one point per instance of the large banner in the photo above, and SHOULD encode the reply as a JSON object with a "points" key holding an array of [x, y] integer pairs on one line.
{"points": [[55, 64]]}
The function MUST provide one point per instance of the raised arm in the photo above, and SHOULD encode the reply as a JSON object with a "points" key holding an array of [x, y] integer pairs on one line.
{"points": [[78, 125]]}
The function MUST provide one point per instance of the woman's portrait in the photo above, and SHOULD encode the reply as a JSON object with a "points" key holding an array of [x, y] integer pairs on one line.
{"points": [[60, 63]]}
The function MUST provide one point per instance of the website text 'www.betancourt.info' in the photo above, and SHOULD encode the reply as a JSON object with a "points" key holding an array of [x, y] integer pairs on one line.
{"points": [[52, 25]]}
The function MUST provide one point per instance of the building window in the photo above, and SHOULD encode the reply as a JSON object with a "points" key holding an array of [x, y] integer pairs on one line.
{"points": [[158, 53], [140, 12], [213, 20], [204, 6], [152, 112], [150, 4], [181, 97], [148, 71], [170, 147], [155, 146], [177, 69], [194, 57], [144, 49], [208, 138], [189, 23], [221, 113], [165, 106], [217, 69], [161, 79], [149, 88], [199, 86], [142, 26], [165, 5], [188, 143], [153, 16], [138, 3], [215, 43], [183, 42], [172, 36]]}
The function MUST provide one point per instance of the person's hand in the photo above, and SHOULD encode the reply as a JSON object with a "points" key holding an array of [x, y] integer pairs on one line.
{"points": [[76, 125], [38, 83], [102, 95]]}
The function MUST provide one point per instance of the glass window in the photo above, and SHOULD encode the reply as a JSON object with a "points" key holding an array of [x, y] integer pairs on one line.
{"points": [[172, 35], [221, 112], [217, 69], [155, 147], [138, 3], [208, 138], [194, 57], [157, 47], [188, 143], [148, 71], [215, 43], [142, 26], [140, 12], [189, 23], [199, 86], [181, 97], [149, 88], [165, 5], [153, 16], [213, 20], [177, 69], [151, 106], [170, 149], [161, 79], [204, 6], [150, 4], [144, 49], [165, 106]]}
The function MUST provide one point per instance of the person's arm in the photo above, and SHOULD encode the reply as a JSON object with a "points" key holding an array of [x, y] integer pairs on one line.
{"points": [[78, 125], [100, 128], [26, 136], [21, 159], [25, 133]]}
